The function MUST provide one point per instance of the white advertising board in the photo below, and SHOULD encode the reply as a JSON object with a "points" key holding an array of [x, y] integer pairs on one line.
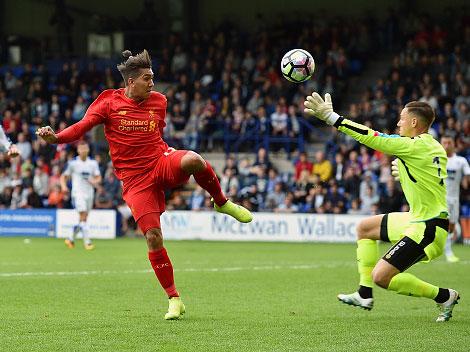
{"points": [[101, 223], [264, 227]]}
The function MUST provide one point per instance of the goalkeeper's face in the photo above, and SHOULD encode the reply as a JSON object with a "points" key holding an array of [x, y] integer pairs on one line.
{"points": [[407, 124]]}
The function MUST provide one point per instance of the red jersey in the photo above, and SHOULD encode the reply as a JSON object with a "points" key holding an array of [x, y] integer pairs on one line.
{"points": [[134, 130]]}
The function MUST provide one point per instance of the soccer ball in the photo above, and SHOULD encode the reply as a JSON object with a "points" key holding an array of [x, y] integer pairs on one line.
{"points": [[297, 65]]}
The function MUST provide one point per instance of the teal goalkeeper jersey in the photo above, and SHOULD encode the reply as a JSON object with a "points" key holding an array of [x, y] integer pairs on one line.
{"points": [[422, 166]]}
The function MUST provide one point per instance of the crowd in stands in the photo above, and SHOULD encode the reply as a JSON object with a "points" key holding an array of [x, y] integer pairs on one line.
{"points": [[227, 79], [432, 66]]}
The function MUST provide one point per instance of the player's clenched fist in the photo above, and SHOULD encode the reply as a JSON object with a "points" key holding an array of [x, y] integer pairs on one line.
{"points": [[48, 134], [13, 151]]}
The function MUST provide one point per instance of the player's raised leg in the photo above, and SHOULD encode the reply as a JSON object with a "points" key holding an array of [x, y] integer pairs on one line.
{"points": [[161, 263], [368, 232], [193, 164]]}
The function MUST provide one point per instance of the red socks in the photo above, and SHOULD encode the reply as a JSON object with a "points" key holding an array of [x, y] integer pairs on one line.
{"points": [[161, 264], [208, 180]]}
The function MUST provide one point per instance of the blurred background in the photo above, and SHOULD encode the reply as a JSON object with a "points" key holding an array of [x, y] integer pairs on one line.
{"points": [[218, 65]]}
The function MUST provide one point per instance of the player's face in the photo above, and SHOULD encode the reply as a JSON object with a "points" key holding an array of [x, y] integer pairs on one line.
{"points": [[406, 124], [83, 150], [142, 85], [448, 144]]}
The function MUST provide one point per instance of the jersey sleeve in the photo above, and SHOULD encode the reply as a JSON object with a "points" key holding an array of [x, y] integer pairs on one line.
{"points": [[389, 144], [95, 115], [68, 169], [96, 169], [5, 142], [466, 167]]}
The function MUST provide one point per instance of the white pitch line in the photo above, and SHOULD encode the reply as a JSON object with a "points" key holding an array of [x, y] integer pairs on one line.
{"points": [[228, 269], [330, 265]]}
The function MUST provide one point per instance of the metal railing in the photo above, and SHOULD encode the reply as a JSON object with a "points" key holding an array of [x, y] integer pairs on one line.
{"points": [[256, 136]]}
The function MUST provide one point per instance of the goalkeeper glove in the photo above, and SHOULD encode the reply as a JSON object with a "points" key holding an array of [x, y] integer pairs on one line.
{"points": [[395, 173], [322, 109]]}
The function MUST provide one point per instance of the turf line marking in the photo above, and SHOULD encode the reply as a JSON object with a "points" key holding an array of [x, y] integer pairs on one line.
{"points": [[330, 265], [228, 269]]}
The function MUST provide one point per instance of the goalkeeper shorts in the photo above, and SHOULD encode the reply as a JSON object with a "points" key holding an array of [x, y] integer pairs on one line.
{"points": [[413, 241]]}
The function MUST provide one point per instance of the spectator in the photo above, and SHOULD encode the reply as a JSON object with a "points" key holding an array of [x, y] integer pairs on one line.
{"points": [[5, 198], [367, 182], [262, 161], [56, 197], [177, 203], [302, 164], [279, 122], [355, 207], [334, 201], [276, 198], [33, 200], [391, 199], [322, 167], [5, 180], [196, 200], [339, 168], [229, 180], [41, 182], [368, 199], [288, 205], [24, 146], [302, 187], [102, 199], [253, 197]]}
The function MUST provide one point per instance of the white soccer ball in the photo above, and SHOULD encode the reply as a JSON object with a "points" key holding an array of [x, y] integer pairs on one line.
{"points": [[297, 65]]}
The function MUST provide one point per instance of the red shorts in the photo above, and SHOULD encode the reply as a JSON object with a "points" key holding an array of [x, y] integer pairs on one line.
{"points": [[145, 193]]}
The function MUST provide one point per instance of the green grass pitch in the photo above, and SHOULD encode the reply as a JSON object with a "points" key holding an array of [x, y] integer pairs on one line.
{"points": [[238, 296]]}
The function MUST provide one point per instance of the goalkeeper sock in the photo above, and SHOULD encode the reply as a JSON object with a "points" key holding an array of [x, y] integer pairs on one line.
{"points": [[443, 295], [409, 285], [208, 180], [367, 255], [163, 269]]}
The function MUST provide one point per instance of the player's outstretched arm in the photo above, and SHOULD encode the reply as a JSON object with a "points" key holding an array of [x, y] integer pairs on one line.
{"points": [[389, 144], [95, 114]]}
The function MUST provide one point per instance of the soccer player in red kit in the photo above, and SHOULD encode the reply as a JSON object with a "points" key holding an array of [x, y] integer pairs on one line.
{"points": [[134, 118]]}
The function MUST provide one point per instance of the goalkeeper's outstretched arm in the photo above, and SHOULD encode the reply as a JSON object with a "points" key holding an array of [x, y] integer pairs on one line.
{"points": [[389, 144]]}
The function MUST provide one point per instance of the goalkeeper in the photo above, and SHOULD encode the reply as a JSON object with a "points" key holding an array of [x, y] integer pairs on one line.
{"points": [[417, 235]]}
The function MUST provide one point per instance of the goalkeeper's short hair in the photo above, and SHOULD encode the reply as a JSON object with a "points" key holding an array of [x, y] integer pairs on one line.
{"points": [[423, 110]]}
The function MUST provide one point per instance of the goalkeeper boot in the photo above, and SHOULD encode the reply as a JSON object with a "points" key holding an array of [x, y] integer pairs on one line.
{"points": [[234, 210], [89, 246], [69, 243], [355, 299], [175, 308], [447, 307]]}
